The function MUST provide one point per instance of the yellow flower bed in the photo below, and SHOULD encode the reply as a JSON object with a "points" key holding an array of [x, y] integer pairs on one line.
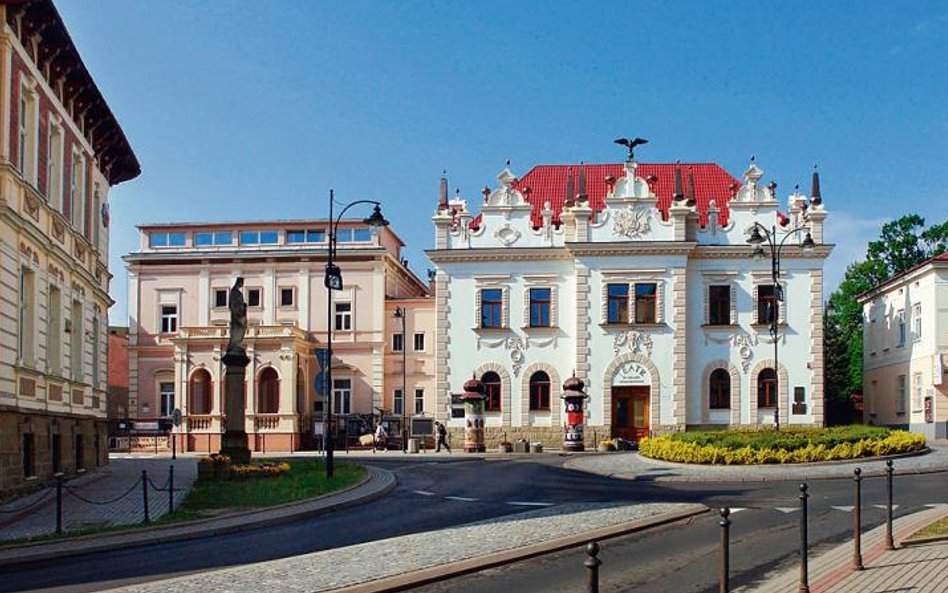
{"points": [[267, 470], [669, 449]]}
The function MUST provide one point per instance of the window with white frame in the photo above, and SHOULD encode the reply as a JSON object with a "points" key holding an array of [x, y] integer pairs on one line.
{"points": [[209, 238], [77, 192], [287, 295], [540, 305], [343, 316], [26, 133], [27, 315], [646, 302], [259, 237], [901, 328], [398, 402], [398, 342], [918, 391], [167, 239], [220, 298], [719, 304], [419, 341], [917, 320], [166, 395], [54, 166], [54, 331], [305, 236], [255, 297], [76, 331], [492, 306], [900, 395], [341, 396], [169, 319], [419, 401]]}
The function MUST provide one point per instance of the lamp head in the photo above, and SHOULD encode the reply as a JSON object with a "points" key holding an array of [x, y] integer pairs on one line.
{"points": [[756, 238], [808, 244], [376, 221], [398, 313]]}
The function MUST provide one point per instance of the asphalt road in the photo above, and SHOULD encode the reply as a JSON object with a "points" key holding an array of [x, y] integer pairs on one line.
{"points": [[763, 537]]}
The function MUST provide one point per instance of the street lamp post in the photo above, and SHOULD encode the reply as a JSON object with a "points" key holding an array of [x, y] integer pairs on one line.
{"points": [[333, 281], [775, 243], [400, 313]]}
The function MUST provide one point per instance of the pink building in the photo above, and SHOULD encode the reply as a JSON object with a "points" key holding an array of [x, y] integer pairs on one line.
{"points": [[178, 326]]}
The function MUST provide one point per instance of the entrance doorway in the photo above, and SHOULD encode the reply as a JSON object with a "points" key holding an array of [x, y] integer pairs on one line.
{"points": [[630, 412]]}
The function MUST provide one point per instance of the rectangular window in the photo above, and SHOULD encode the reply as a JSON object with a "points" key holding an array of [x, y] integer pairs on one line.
{"points": [[646, 310], [54, 167], [254, 297], [343, 316], [23, 136], [398, 402], [76, 330], [540, 307], [166, 392], [310, 236], [767, 307], [719, 305], [96, 369], [220, 298], [166, 239], [54, 331], [27, 134], [27, 328], [213, 238], [341, 396], [420, 342], [419, 401], [901, 321], [398, 342], [56, 445], [286, 297], [540, 395], [900, 396], [259, 237], [917, 385], [917, 320], [169, 319], [359, 235], [492, 307], [29, 455], [618, 303], [78, 192]]}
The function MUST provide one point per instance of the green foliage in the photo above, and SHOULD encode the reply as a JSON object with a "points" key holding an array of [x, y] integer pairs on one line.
{"points": [[902, 244], [787, 446]]}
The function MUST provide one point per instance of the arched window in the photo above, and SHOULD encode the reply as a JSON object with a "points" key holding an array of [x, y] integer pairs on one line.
{"points": [[719, 397], [540, 391], [268, 392], [201, 394], [491, 381], [767, 388]]}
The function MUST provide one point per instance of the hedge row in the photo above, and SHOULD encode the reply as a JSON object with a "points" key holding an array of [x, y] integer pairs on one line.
{"points": [[788, 438], [670, 448]]}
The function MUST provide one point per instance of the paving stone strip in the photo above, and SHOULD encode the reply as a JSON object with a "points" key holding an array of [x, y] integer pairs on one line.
{"points": [[363, 563]]}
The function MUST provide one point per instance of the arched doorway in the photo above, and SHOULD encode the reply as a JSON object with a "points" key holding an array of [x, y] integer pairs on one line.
{"points": [[200, 392], [631, 399], [268, 394]]}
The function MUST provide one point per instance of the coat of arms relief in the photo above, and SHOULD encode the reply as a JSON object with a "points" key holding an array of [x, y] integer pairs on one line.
{"points": [[631, 223]]}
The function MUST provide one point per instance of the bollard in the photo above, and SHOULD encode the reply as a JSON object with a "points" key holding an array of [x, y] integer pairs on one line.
{"points": [[59, 504], [857, 519], [804, 572], [889, 544], [724, 573], [145, 494], [170, 489], [592, 567]]}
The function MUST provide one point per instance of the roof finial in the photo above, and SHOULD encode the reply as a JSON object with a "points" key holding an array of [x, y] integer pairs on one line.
{"points": [[582, 182], [679, 192], [815, 198], [691, 201], [443, 192], [631, 143], [570, 191]]}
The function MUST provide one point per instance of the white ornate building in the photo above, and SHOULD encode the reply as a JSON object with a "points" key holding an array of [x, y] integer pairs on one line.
{"points": [[639, 279]]}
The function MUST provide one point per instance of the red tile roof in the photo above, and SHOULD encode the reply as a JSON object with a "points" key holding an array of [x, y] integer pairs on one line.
{"points": [[547, 183]]}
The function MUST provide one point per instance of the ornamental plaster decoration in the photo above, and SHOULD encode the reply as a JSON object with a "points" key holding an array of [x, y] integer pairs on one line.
{"points": [[517, 357], [631, 373], [744, 343], [632, 341], [631, 223], [507, 235], [505, 195], [542, 343]]}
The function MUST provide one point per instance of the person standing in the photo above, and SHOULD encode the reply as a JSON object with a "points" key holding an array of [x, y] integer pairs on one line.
{"points": [[442, 437], [380, 438]]}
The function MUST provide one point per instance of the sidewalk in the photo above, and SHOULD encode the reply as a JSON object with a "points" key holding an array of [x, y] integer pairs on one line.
{"points": [[632, 466], [111, 495], [378, 482], [919, 568]]}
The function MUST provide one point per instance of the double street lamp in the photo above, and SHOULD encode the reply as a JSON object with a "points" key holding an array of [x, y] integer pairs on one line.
{"points": [[333, 281], [760, 236]]}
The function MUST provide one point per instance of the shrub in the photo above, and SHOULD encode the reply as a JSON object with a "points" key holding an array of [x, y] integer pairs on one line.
{"points": [[789, 446], [258, 470]]}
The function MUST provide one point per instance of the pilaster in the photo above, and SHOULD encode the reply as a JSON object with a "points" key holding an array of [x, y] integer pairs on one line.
{"points": [[816, 347], [442, 292], [680, 349]]}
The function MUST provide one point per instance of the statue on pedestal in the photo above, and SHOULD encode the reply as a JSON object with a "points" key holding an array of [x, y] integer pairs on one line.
{"points": [[234, 440], [238, 317]]}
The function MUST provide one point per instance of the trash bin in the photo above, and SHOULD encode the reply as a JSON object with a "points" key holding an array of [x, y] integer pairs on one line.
{"points": [[412, 445]]}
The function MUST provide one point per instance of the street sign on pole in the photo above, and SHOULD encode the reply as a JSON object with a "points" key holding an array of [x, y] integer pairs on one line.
{"points": [[176, 417]]}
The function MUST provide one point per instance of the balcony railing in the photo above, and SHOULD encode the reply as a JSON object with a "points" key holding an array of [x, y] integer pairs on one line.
{"points": [[254, 331]]}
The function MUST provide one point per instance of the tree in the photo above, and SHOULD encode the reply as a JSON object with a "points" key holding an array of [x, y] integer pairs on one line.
{"points": [[902, 244]]}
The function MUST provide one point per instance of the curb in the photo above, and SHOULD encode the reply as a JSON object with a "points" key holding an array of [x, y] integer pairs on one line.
{"points": [[425, 576], [377, 483]]}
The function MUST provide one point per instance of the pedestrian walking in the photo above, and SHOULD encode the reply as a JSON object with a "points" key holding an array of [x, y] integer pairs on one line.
{"points": [[442, 437], [380, 438]]}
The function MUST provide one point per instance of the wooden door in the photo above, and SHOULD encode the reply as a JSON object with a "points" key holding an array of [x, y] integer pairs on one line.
{"points": [[630, 412]]}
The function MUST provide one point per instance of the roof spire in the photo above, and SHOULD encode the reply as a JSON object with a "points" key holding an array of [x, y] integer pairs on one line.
{"points": [[691, 188], [443, 192], [570, 192], [582, 182], [815, 198], [679, 192]]}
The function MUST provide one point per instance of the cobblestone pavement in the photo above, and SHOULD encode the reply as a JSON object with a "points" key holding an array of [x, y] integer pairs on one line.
{"points": [[348, 566], [632, 466], [919, 568], [117, 484]]}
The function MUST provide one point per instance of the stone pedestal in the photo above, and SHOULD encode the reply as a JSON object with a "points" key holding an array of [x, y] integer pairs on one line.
{"points": [[234, 440], [474, 417], [574, 399]]}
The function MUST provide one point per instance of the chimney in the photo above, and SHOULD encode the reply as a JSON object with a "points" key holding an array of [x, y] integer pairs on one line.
{"points": [[443, 192]]}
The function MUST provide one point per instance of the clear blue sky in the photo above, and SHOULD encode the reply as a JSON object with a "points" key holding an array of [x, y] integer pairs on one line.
{"points": [[249, 110]]}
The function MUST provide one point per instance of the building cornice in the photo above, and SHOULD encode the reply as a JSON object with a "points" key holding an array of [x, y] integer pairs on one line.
{"points": [[440, 256], [189, 255], [625, 248], [900, 280], [745, 252]]}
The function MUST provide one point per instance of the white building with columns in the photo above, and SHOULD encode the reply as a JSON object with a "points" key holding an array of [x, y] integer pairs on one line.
{"points": [[637, 278]]}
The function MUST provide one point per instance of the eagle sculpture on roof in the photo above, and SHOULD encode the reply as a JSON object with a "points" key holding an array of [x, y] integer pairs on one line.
{"points": [[631, 144]]}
